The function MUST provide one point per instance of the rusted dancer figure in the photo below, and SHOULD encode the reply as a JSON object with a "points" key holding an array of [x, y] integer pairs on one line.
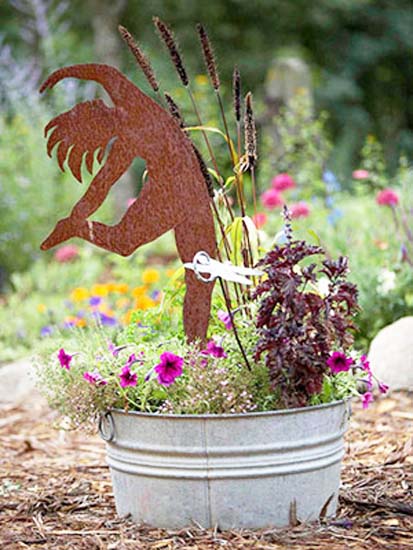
{"points": [[175, 196]]}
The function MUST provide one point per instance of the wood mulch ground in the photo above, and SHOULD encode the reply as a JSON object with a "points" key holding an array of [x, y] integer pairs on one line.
{"points": [[55, 491]]}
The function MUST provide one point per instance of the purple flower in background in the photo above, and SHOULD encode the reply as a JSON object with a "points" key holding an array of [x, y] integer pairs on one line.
{"points": [[331, 180], [334, 216], [404, 255], [94, 378], [127, 377], [95, 301], [114, 350], [69, 324], [64, 359], [148, 375], [169, 368], [106, 320], [225, 317], [215, 350], [46, 331], [367, 399], [339, 362]]}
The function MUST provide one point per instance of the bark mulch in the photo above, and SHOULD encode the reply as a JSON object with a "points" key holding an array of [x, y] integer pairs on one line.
{"points": [[55, 491]]}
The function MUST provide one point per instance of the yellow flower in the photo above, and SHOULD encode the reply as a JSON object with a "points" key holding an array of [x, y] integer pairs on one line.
{"points": [[122, 288], [201, 79], [138, 291], [144, 302], [41, 308], [80, 322], [111, 287], [79, 294], [99, 290], [150, 276]]}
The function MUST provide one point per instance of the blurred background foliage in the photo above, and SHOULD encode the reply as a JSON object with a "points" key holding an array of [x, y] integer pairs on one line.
{"points": [[360, 52]]}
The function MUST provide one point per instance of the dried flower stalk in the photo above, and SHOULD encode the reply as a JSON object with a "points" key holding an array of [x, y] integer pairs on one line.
{"points": [[236, 90], [168, 38], [140, 57], [174, 109], [250, 132], [205, 173], [209, 56]]}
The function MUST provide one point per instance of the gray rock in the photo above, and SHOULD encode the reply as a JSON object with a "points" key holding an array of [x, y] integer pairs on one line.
{"points": [[391, 354], [286, 77], [17, 382]]}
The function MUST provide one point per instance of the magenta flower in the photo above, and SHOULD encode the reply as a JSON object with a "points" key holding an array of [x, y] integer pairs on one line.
{"points": [[272, 199], [94, 378], [361, 174], [339, 362], [383, 388], [127, 377], [64, 359], [282, 182], [300, 209], [387, 197], [225, 317], [259, 219], [367, 399], [215, 350], [169, 368]]}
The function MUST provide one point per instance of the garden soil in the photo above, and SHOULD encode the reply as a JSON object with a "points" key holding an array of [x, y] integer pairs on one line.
{"points": [[55, 490]]}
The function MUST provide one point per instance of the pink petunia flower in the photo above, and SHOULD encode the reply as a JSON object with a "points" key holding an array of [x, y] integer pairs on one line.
{"points": [[387, 197], [259, 219], [300, 209], [169, 368], [94, 377], [367, 399], [360, 174], [339, 362], [383, 388], [272, 199], [127, 377], [225, 317], [282, 182], [66, 253], [214, 349], [365, 363], [64, 359]]}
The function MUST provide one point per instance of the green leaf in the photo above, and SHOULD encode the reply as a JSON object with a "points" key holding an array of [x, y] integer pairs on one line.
{"points": [[315, 236], [235, 233]]}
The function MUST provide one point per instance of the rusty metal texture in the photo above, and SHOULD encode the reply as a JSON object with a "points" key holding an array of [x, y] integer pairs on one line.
{"points": [[174, 196]]}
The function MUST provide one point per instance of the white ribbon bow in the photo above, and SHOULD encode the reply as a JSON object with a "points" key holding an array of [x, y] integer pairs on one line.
{"points": [[203, 263]]}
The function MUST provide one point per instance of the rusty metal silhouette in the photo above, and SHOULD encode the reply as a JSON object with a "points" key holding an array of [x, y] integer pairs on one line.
{"points": [[175, 195]]}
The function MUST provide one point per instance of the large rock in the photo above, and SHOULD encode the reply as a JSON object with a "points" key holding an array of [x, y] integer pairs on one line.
{"points": [[17, 383], [391, 354]]}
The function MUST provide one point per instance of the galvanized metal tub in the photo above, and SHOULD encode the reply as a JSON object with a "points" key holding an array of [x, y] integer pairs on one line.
{"points": [[234, 471]]}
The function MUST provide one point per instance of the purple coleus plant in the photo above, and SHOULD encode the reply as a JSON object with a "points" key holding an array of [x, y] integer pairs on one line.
{"points": [[298, 326]]}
